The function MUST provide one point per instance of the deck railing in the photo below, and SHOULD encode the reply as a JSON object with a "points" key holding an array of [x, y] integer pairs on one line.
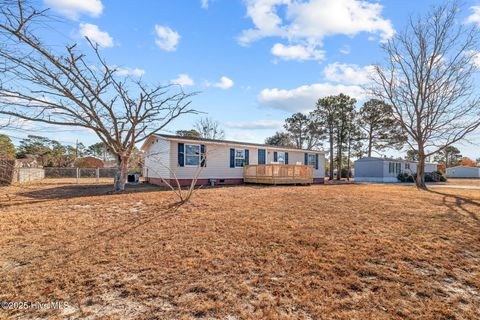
{"points": [[278, 174]]}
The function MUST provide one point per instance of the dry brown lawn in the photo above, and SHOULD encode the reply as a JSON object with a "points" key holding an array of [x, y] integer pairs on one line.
{"points": [[248, 252], [464, 182]]}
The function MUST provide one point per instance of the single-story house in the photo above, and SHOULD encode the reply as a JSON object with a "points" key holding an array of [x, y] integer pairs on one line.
{"points": [[463, 172], [374, 169], [177, 157]]}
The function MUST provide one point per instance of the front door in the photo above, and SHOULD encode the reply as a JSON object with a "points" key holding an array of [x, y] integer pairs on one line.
{"points": [[262, 156]]}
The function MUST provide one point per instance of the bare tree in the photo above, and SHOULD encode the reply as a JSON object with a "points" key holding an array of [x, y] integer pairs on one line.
{"points": [[171, 180], [428, 79], [209, 129], [66, 89]]}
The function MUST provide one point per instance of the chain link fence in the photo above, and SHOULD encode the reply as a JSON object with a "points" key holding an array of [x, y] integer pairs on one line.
{"points": [[56, 173], [79, 174], [9, 173]]}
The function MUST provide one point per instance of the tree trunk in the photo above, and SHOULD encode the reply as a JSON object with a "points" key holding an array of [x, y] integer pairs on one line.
{"points": [[331, 156], [339, 165], [348, 160], [420, 180], [121, 176], [339, 159], [370, 139]]}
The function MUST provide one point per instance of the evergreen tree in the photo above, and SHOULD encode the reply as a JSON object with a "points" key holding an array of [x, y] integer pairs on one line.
{"points": [[280, 139], [380, 127], [7, 149], [304, 130], [450, 156]]}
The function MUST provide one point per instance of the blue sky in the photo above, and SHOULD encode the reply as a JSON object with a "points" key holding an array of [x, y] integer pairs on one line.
{"points": [[254, 62]]}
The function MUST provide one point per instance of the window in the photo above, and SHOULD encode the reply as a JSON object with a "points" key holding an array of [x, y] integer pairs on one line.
{"points": [[239, 157], [407, 166], [192, 155], [281, 157], [394, 167], [311, 160]]}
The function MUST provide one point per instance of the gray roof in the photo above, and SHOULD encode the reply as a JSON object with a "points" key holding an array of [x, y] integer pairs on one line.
{"points": [[389, 159], [171, 136], [477, 167]]}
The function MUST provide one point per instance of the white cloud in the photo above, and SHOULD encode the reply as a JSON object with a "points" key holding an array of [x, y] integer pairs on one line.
{"points": [[297, 52], [255, 124], [93, 32], [345, 49], [183, 80], [475, 16], [224, 83], [304, 97], [126, 72], [204, 4], [348, 73], [311, 21], [167, 39], [74, 8]]}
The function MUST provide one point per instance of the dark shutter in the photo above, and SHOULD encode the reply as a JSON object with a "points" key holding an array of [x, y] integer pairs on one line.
{"points": [[286, 157], [306, 159], [181, 154], [203, 155], [316, 161], [275, 156], [261, 156], [232, 158], [247, 157]]}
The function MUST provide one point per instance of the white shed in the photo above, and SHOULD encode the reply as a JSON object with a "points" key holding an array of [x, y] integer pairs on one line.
{"points": [[373, 169], [463, 172]]}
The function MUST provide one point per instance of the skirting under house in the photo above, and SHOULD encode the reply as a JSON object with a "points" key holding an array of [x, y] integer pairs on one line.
{"points": [[208, 182]]}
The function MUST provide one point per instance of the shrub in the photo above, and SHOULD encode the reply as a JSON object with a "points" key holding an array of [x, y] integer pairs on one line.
{"points": [[429, 177], [88, 162], [345, 173], [6, 171], [405, 177]]}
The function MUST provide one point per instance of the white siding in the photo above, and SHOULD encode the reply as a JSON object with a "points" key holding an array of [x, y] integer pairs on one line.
{"points": [[218, 160], [463, 172], [377, 169], [157, 158]]}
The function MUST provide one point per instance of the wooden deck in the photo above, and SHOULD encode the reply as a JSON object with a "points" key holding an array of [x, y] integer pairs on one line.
{"points": [[278, 174]]}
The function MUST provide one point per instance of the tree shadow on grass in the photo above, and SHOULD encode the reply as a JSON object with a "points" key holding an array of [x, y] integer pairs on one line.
{"points": [[459, 204], [71, 191]]}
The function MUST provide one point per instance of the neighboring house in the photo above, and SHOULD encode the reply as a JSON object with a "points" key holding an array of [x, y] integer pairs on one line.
{"points": [[463, 172], [372, 169], [28, 162], [171, 157]]}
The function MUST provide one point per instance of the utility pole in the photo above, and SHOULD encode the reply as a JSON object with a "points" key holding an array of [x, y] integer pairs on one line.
{"points": [[76, 149]]}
